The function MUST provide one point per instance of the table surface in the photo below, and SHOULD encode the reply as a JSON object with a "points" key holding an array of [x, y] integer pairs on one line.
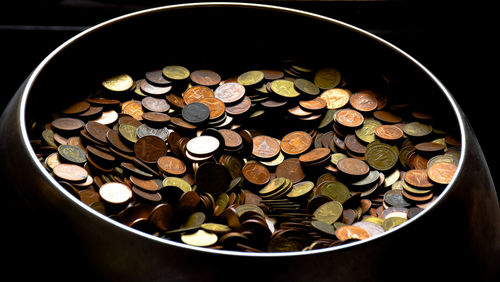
{"points": [[454, 40]]}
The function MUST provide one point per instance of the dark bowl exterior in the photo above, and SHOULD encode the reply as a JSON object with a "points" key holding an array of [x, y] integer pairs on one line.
{"points": [[457, 237]]}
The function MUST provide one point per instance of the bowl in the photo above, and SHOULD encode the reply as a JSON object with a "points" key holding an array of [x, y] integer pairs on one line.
{"points": [[457, 236]]}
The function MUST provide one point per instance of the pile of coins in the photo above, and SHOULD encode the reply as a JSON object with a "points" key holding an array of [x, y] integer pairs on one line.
{"points": [[288, 158]]}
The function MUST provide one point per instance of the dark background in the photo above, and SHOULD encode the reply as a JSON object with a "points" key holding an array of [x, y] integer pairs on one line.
{"points": [[456, 40]]}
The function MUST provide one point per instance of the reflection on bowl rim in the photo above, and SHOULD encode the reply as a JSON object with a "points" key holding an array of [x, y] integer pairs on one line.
{"points": [[40, 67]]}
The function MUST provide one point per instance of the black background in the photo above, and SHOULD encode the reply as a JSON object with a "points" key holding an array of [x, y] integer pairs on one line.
{"points": [[455, 40]]}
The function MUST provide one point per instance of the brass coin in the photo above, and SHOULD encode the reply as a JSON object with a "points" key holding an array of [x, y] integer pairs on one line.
{"points": [[118, 83], [176, 182], [367, 132], [175, 72], [335, 98], [381, 156], [200, 238], [442, 173], [216, 228], [327, 78], [336, 191], [265, 147], [284, 88], [250, 78], [296, 142], [417, 129], [328, 212], [392, 222], [300, 189], [306, 87], [272, 186], [129, 132], [72, 154]]}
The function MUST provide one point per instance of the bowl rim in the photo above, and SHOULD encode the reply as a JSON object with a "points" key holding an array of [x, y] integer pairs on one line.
{"points": [[34, 75]]}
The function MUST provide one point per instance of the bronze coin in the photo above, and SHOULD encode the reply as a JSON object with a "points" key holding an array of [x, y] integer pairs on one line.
{"points": [[389, 132], [442, 173], [212, 178], [91, 113], [156, 118], [316, 104], [196, 93], [153, 104], [418, 178], [97, 131], [70, 172], [291, 169], [113, 137], [104, 102], [353, 145], [265, 147], [175, 101], [150, 89], [239, 108], [217, 107], [232, 140], [100, 155], [387, 117], [171, 165], [349, 118], [156, 78], [150, 148], [67, 124], [299, 112], [315, 155], [230, 92], [349, 232], [133, 109], [162, 216], [149, 185], [256, 173], [272, 74], [126, 119], [352, 166], [189, 201], [427, 147], [205, 77], [76, 108], [363, 101], [179, 122], [296, 142]]}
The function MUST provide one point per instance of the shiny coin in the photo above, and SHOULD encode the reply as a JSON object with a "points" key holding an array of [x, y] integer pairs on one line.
{"points": [[133, 109], [256, 173], [284, 88], [150, 148], [389, 132], [176, 182], [336, 191], [115, 193], [196, 93], [442, 173], [316, 104], [129, 132], [363, 101], [335, 98], [72, 154], [150, 89], [349, 118], [265, 147], [119, 83], [196, 113], [328, 212], [418, 178], [372, 228], [70, 172], [367, 132], [230, 92], [216, 228], [200, 238], [216, 107], [296, 142], [349, 232], [203, 146], [145, 130], [155, 104], [273, 185], [250, 78], [171, 165], [315, 155], [392, 222], [300, 189], [327, 78], [175, 72]]}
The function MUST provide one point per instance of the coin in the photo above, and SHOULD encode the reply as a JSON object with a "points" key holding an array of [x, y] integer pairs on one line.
{"points": [[200, 238], [327, 78], [255, 173], [381, 156], [175, 72], [230, 92], [145, 130], [156, 78], [250, 78], [349, 118], [430, 147], [133, 109], [155, 104], [335, 190], [290, 169], [216, 107], [352, 166], [363, 101], [173, 181], [196, 113], [284, 88], [150, 148], [315, 155], [367, 132], [300, 189], [316, 104], [417, 129], [389, 132], [392, 222], [196, 93], [205, 77], [70, 172], [239, 108], [76, 108], [72, 154], [67, 124], [328, 212], [350, 232], [265, 147], [442, 173], [306, 87], [212, 178], [127, 131], [335, 98], [232, 140], [118, 83], [387, 117], [418, 178], [171, 165], [155, 118], [115, 193], [295, 143], [151, 89], [203, 146]]}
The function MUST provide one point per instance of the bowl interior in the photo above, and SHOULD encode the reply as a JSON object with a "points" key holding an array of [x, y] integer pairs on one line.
{"points": [[230, 39]]}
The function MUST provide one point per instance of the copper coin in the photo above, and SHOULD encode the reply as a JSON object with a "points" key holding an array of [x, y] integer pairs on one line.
{"points": [[315, 155], [349, 232], [126, 119], [156, 118], [133, 109], [256, 173], [418, 178], [196, 93], [67, 124], [387, 117], [91, 113], [291, 169], [162, 216], [212, 178], [205, 77], [296, 142], [240, 108], [182, 123], [272, 74], [363, 101], [97, 131], [171, 165], [265, 147], [217, 107], [70, 172], [335, 98], [150, 148], [430, 147], [299, 112], [316, 104], [230, 92], [150, 89], [76, 108], [352, 166], [145, 184], [189, 201], [389, 132], [232, 140], [441, 173], [349, 118], [156, 78], [175, 101], [113, 137], [155, 104], [354, 145]]}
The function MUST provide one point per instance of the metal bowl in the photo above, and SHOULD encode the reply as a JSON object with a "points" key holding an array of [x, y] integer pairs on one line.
{"points": [[457, 236]]}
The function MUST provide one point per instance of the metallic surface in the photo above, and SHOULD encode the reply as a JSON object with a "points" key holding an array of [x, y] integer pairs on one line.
{"points": [[457, 237]]}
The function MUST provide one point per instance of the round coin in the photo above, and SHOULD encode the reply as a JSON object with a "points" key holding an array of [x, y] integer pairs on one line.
{"points": [[363, 101], [327, 78], [196, 93], [306, 87], [265, 147], [153, 104], [72, 154], [300, 189], [389, 132], [70, 172], [118, 83], [196, 113], [418, 178], [349, 232], [256, 173], [352, 166], [230, 92], [417, 129], [335, 98], [291, 169], [175, 72], [150, 148], [115, 193], [202, 146], [381, 156], [328, 212], [284, 88], [205, 77], [200, 238], [442, 173], [250, 78], [171, 165], [349, 118], [296, 142], [216, 107], [67, 124]]}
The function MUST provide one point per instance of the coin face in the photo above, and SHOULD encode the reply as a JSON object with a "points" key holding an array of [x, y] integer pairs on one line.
{"points": [[230, 92], [349, 232], [284, 88], [363, 101], [196, 113], [171, 165], [129, 132], [291, 169], [203, 145], [205, 77], [70, 172], [150, 148], [196, 93], [442, 173], [133, 109], [315, 155], [72, 154], [265, 147], [417, 129], [155, 104], [367, 132], [381, 156], [250, 78], [67, 124], [335, 98], [256, 173], [296, 142], [328, 212], [349, 118], [306, 87], [115, 193], [389, 132], [118, 83], [327, 78], [418, 178], [352, 166], [175, 72], [216, 107]]}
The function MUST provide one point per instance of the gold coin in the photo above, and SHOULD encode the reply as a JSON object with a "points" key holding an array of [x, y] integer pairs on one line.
{"points": [[329, 212], [335, 98], [118, 83], [177, 182], [300, 189], [367, 132], [327, 78], [250, 78], [284, 88], [216, 227], [200, 238], [176, 72], [273, 185]]}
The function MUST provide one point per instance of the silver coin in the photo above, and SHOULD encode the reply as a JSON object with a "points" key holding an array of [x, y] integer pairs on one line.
{"points": [[145, 130]]}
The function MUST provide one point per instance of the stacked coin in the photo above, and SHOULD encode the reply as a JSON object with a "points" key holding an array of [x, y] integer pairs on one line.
{"points": [[276, 159]]}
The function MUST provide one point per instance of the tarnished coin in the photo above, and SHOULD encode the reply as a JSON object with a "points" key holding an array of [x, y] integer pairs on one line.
{"points": [[129, 132], [205, 77], [387, 117], [418, 178], [156, 78], [395, 198], [256, 173], [196, 113], [323, 227], [232, 140], [352, 166], [417, 129], [296, 142], [97, 131], [72, 154], [392, 222], [118, 83], [291, 169], [442, 173], [381, 156], [146, 130], [328, 212], [67, 124], [300, 189], [265, 147], [306, 87], [367, 132], [284, 88], [196, 93], [239, 108], [349, 232], [76, 108], [336, 191], [212, 178], [335, 98], [327, 78], [174, 72], [115, 193], [250, 78], [150, 148]]}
